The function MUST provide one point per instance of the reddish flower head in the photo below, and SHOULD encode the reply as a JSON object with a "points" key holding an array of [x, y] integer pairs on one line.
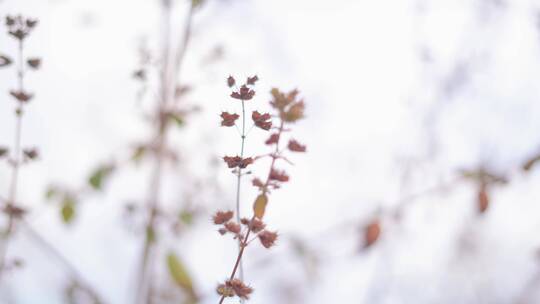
{"points": [[272, 139], [230, 81], [222, 217], [244, 93], [252, 80], [232, 227], [279, 176], [267, 238], [237, 161], [228, 119], [234, 287], [261, 120]]}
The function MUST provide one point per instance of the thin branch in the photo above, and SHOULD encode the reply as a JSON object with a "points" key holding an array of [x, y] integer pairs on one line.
{"points": [[16, 160], [244, 243], [239, 180], [40, 240], [168, 81]]}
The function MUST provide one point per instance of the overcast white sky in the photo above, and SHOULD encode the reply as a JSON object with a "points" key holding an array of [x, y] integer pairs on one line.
{"points": [[399, 94]]}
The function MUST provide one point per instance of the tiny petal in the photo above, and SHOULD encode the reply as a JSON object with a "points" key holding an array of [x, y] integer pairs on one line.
{"points": [[272, 139], [230, 81], [34, 63], [252, 80], [30, 153], [5, 60], [21, 96]]}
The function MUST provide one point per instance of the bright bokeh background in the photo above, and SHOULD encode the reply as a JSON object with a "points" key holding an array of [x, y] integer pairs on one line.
{"points": [[400, 96]]}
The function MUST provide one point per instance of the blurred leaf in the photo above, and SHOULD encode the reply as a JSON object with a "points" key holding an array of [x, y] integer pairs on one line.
{"points": [[482, 175], [5, 60], [150, 234], [98, 177], [3, 151], [259, 206], [371, 233], [138, 154], [529, 164], [177, 118], [51, 193], [34, 63], [483, 199], [186, 217], [180, 275], [68, 209], [197, 3]]}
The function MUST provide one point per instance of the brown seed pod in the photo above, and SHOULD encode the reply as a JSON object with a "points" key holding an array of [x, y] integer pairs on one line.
{"points": [[482, 199], [371, 233]]}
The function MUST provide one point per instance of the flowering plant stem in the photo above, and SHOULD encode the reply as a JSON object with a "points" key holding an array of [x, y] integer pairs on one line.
{"points": [[15, 161], [239, 181], [243, 243], [169, 77]]}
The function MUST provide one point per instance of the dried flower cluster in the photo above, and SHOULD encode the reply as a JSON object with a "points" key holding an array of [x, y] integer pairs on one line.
{"points": [[19, 28], [288, 109]]}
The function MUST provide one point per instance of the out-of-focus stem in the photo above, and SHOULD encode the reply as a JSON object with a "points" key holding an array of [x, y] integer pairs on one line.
{"points": [[15, 161], [67, 264], [169, 78]]}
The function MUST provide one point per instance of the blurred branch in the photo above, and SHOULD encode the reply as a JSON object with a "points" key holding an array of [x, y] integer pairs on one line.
{"points": [[168, 80], [76, 275]]}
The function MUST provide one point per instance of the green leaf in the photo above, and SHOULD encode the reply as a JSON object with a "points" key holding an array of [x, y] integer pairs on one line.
{"points": [[51, 193], [98, 177], [177, 118], [196, 3], [138, 154], [186, 217], [179, 274], [68, 209], [150, 235]]}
